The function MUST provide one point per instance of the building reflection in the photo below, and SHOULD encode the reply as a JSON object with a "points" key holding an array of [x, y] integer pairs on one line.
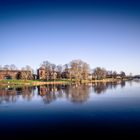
{"points": [[7, 95], [50, 93], [11, 95], [75, 93]]}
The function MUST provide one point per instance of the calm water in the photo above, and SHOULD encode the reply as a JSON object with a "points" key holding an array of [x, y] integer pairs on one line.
{"points": [[95, 108]]}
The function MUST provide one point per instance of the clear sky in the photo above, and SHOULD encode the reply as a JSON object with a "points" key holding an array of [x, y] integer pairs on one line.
{"points": [[102, 33]]}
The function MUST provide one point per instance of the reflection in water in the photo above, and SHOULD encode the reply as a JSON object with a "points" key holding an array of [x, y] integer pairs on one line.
{"points": [[7, 95], [12, 94], [100, 87], [123, 84], [74, 93], [27, 93], [78, 93], [49, 93]]}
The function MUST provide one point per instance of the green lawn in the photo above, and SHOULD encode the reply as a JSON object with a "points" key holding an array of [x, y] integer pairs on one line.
{"points": [[15, 82]]}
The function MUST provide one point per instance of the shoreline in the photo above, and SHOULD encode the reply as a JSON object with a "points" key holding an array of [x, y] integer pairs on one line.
{"points": [[106, 80], [12, 83]]}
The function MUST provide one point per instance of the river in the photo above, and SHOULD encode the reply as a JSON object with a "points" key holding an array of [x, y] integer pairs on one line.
{"points": [[99, 108]]}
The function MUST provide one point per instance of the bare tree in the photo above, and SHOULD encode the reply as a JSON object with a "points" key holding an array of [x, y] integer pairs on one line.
{"points": [[76, 69], [50, 70], [109, 74], [47, 66], [86, 69], [79, 70], [29, 68], [53, 74], [122, 74], [66, 72], [114, 74], [99, 73], [26, 73], [59, 69]]}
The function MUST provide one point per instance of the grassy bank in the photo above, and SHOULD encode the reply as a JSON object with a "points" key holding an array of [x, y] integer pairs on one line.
{"points": [[39, 82], [104, 80], [29, 82]]}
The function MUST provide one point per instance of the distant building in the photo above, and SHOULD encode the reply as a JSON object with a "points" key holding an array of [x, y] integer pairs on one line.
{"points": [[41, 73], [14, 74], [8, 74]]}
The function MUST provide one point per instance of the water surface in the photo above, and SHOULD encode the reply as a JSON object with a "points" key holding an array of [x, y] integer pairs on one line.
{"points": [[93, 108]]}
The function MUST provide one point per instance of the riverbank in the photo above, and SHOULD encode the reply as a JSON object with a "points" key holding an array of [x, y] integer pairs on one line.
{"points": [[105, 80], [4, 83], [11, 83]]}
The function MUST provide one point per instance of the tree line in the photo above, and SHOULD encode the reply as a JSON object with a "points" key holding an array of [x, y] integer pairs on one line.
{"points": [[75, 70], [14, 67]]}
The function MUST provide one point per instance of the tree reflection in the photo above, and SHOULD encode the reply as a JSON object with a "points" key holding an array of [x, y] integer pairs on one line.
{"points": [[12, 94], [50, 93], [122, 84], [100, 87], [27, 93], [7, 95], [78, 93], [75, 93]]}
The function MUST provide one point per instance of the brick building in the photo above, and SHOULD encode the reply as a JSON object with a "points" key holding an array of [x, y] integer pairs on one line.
{"points": [[15, 74]]}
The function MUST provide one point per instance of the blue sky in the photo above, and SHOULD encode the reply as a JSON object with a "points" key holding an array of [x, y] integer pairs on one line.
{"points": [[102, 34]]}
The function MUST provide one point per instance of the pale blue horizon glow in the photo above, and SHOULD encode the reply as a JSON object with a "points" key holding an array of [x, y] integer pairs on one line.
{"points": [[107, 40]]}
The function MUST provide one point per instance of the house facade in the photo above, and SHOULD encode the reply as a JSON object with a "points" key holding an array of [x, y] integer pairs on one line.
{"points": [[15, 74], [42, 74]]}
